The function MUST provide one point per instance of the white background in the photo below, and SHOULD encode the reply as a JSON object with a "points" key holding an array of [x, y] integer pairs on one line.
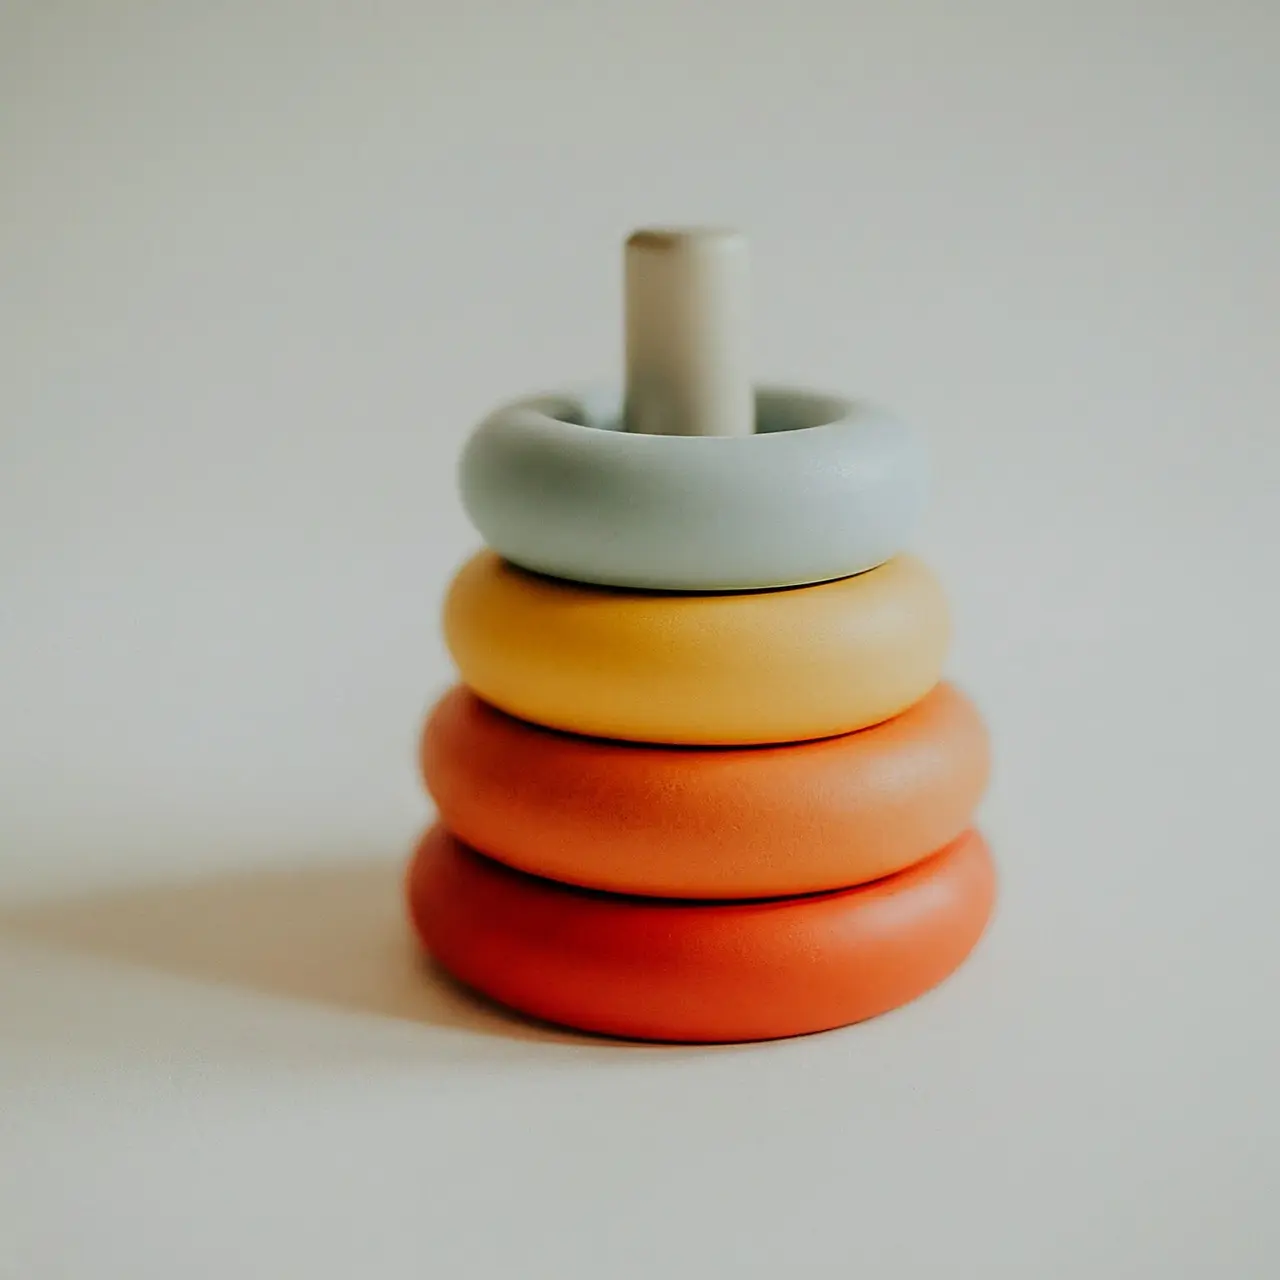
{"points": [[262, 267]]}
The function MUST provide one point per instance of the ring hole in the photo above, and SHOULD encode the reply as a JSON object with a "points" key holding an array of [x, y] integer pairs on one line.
{"points": [[777, 410]]}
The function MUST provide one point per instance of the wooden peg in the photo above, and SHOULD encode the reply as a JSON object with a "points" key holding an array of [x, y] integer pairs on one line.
{"points": [[687, 333]]}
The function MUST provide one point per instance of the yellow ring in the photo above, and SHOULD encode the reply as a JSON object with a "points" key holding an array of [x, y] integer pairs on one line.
{"points": [[767, 666]]}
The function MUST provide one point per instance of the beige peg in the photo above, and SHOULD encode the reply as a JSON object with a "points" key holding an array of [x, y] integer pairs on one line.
{"points": [[687, 329]]}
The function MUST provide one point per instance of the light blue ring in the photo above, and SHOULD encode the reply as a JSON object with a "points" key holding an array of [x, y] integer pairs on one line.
{"points": [[826, 488]]}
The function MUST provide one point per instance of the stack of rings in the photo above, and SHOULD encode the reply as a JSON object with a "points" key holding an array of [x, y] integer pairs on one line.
{"points": [[703, 780]]}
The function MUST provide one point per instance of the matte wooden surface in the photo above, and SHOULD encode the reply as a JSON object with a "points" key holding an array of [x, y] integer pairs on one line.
{"points": [[688, 324], [662, 970], [714, 823], [827, 486], [760, 667]]}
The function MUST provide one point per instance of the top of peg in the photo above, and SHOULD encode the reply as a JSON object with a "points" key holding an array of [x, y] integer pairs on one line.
{"points": [[688, 239]]}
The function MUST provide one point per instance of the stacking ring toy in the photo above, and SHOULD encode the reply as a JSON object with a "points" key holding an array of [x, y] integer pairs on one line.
{"points": [[660, 970], [825, 488], [772, 666], [748, 822]]}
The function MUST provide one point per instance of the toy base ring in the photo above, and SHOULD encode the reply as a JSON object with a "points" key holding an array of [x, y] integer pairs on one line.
{"points": [[651, 969]]}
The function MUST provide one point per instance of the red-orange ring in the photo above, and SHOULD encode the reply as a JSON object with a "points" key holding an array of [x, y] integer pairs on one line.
{"points": [[654, 969], [680, 822]]}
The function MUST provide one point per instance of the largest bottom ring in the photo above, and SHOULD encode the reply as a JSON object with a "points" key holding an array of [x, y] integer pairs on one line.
{"points": [[659, 969]]}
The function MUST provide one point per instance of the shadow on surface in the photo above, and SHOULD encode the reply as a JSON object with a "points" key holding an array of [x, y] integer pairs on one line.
{"points": [[333, 934]]}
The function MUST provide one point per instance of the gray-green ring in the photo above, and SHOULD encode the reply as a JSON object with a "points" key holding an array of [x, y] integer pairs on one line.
{"points": [[827, 487]]}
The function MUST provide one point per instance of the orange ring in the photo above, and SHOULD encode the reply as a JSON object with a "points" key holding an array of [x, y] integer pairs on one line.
{"points": [[679, 822], [661, 970]]}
